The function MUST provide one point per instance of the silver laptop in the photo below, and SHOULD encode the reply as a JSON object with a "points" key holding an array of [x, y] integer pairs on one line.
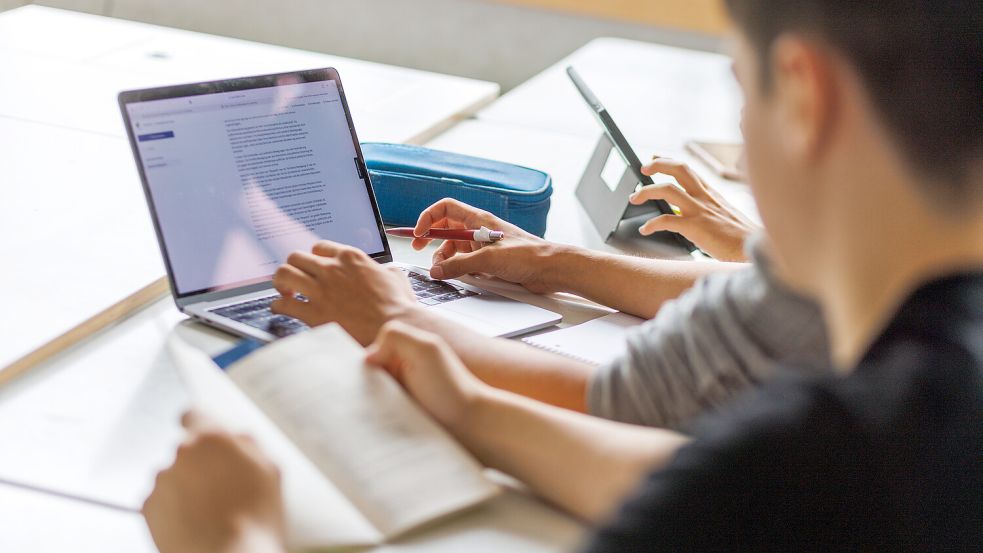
{"points": [[239, 173]]}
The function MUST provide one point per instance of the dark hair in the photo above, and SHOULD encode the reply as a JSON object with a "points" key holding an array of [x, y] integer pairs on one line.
{"points": [[921, 62]]}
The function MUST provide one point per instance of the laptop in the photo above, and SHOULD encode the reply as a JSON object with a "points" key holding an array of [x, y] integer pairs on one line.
{"points": [[239, 173]]}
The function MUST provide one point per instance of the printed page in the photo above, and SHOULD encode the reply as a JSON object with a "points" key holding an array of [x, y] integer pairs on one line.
{"points": [[359, 427], [318, 514]]}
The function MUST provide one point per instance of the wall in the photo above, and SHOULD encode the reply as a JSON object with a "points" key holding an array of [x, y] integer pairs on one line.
{"points": [[706, 16], [474, 38]]}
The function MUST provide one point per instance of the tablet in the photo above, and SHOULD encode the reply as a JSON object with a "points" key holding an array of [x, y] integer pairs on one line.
{"points": [[622, 147]]}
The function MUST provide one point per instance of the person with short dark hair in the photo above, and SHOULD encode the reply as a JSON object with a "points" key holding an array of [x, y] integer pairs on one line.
{"points": [[864, 134]]}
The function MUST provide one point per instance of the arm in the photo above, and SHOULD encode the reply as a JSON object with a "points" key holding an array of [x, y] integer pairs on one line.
{"points": [[727, 334], [342, 284], [634, 285], [583, 464]]}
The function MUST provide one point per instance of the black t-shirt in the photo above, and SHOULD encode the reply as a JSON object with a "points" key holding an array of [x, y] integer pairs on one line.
{"points": [[889, 458]]}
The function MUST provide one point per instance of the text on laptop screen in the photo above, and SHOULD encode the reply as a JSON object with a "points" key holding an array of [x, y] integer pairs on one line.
{"points": [[241, 179]]}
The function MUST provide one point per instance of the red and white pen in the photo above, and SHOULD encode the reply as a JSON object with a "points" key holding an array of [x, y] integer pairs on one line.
{"points": [[481, 235]]}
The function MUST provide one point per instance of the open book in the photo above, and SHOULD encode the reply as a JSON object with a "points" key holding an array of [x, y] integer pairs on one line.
{"points": [[361, 463]]}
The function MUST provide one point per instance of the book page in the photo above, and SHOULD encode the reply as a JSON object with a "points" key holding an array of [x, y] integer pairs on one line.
{"points": [[318, 514], [359, 427]]}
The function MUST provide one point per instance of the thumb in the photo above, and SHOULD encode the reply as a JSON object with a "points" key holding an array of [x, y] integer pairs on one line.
{"points": [[463, 264], [195, 421]]}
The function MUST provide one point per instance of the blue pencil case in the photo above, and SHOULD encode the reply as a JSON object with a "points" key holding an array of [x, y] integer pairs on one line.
{"points": [[409, 179]]}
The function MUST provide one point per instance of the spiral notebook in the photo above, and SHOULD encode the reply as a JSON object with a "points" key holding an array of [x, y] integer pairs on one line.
{"points": [[597, 342]]}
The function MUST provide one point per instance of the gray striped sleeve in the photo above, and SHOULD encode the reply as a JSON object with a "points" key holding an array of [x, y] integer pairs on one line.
{"points": [[726, 334]]}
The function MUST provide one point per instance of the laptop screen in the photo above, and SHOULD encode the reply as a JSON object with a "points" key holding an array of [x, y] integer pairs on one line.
{"points": [[238, 179]]}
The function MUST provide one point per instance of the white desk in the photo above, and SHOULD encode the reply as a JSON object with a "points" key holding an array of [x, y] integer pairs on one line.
{"points": [[660, 96], [130, 398], [66, 164], [66, 68]]}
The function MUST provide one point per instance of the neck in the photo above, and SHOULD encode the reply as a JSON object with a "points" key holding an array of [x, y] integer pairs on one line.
{"points": [[893, 247]]}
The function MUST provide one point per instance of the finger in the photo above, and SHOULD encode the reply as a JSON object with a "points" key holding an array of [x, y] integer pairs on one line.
{"points": [[311, 263], [195, 421], [672, 223], [379, 356], [667, 192], [292, 307], [450, 248], [383, 351], [464, 263], [326, 248], [678, 170], [289, 280], [248, 444], [420, 243], [398, 340], [447, 249], [453, 211]]}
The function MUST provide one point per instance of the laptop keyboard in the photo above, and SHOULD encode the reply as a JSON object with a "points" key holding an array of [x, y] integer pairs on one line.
{"points": [[256, 313], [434, 292]]}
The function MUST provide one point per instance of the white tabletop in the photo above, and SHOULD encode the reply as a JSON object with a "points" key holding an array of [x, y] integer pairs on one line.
{"points": [[103, 415], [66, 68], [660, 96], [67, 164]]}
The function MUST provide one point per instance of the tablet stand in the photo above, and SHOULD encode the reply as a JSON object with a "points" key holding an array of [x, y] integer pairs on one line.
{"points": [[605, 207]]}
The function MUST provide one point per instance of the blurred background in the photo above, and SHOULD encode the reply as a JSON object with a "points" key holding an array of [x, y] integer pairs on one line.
{"points": [[505, 41]]}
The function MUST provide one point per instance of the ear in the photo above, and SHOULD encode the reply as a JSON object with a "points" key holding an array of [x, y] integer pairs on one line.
{"points": [[804, 88]]}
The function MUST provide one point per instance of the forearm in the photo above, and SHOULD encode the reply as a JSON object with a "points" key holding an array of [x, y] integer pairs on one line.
{"points": [[511, 365], [583, 464], [633, 285]]}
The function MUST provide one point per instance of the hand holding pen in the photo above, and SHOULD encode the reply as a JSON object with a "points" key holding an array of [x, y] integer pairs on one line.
{"points": [[483, 234]]}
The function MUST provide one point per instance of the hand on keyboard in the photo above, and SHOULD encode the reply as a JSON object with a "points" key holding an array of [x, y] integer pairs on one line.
{"points": [[343, 285]]}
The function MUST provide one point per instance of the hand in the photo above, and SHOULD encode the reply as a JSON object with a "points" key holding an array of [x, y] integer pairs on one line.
{"points": [[521, 258], [705, 218], [429, 371], [220, 495], [344, 285]]}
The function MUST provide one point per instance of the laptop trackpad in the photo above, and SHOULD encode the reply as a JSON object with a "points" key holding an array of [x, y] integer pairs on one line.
{"points": [[466, 312]]}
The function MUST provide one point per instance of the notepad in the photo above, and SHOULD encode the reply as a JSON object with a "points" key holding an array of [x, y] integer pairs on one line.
{"points": [[597, 342]]}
